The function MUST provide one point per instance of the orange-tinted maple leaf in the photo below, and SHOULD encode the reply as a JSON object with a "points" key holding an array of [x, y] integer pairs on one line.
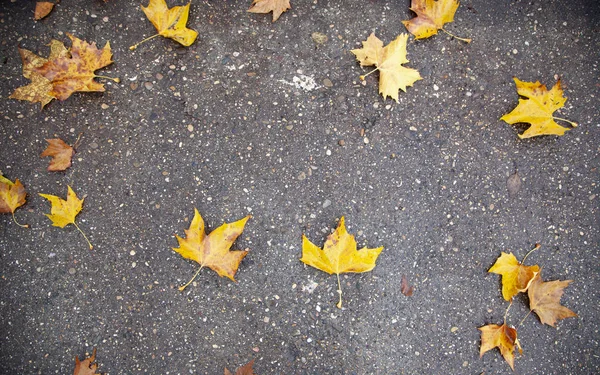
{"points": [[42, 9], [266, 6], [12, 195], [60, 152], [69, 74], [503, 337], [212, 251], [431, 17], [544, 299], [516, 277], [87, 366], [339, 255], [244, 370]]}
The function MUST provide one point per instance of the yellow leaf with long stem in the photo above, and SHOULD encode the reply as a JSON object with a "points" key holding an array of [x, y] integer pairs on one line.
{"points": [[12, 195]]}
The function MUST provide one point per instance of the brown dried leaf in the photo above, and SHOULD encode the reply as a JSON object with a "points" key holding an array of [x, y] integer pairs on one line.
{"points": [[87, 366], [544, 299], [244, 370], [266, 6], [61, 154], [406, 289]]}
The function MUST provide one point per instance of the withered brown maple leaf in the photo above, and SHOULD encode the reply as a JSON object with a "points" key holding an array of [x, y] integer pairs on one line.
{"points": [[87, 366], [12, 196], [60, 152], [544, 299], [266, 6], [244, 370], [503, 337], [212, 251], [75, 71], [42, 9]]}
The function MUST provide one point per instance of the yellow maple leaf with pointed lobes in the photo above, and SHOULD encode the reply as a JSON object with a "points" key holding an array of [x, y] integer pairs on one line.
{"points": [[503, 337], [212, 251], [431, 17], [516, 277], [388, 60], [266, 6], [339, 255], [170, 23], [12, 196], [544, 299], [538, 108], [63, 212]]}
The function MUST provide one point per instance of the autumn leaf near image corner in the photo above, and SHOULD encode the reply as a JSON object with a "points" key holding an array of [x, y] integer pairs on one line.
{"points": [[12, 196], [388, 60], [538, 108], [212, 250], [63, 212], [244, 370], [42, 9], [87, 366], [266, 6], [504, 338], [61, 154], [544, 300], [339, 255], [431, 17], [516, 277], [169, 23]]}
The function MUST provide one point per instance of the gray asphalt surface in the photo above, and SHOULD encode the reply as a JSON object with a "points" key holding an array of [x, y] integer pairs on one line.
{"points": [[221, 126]]}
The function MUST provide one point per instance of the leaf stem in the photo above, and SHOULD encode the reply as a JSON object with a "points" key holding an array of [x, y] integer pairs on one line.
{"points": [[506, 312], [181, 288], [84, 236], [117, 80], [145, 40], [466, 40], [522, 320], [16, 222], [537, 246], [339, 304], [573, 124], [362, 78]]}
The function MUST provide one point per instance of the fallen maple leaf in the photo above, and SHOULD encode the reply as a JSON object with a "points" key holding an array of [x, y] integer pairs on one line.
{"points": [[266, 6], [515, 276], [388, 60], [170, 23], [12, 195], [60, 152], [406, 289], [87, 366], [42, 9], [431, 17], [74, 71], [39, 88], [63, 212], [538, 108], [212, 251], [339, 255], [244, 370], [544, 299], [504, 338]]}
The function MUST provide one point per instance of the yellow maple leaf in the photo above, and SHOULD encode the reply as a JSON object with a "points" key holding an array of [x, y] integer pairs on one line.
{"points": [[538, 108], [63, 212], [388, 60], [431, 17], [212, 251], [516, 277], [339, 255], [12, 196], [170, 23], [266, 6], [503, 337], [544, 299]]}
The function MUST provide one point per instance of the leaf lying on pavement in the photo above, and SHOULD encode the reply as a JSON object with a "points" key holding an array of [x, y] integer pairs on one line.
{"points": [[42, 9], [87, 366], [339, 255], [60, 152], [244, 370], [516, 277], [544, 299], [503, 337], [266, 6], [431, 17], [12, 195]]}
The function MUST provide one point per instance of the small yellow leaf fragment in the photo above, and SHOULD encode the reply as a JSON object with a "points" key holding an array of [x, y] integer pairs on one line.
{"points": [[516, 277], [544, 299], [339, 255], [266, 6], [538, 109], [431, 17], [170, 23], [42, 9], [503, 337]]}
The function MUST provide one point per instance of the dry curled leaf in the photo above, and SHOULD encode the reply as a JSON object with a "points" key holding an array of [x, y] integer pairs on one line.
{"points": [[431, 17], [63, 212], [388, 60], [12, 196], [544, 299], [244, 370], [60, 152], [538, 109], [266, 6], [42, 9], [503, 337], [406, 289], [87, 366], [170, 23], [212, 251], [339, 255], [516, 277]]}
